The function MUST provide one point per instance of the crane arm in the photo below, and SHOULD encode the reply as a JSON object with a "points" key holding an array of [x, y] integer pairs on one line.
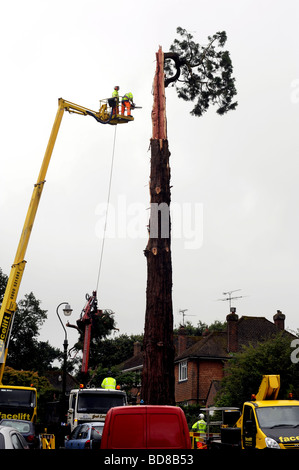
{"points": [[9, 304], [86, 320], [75, 108]]}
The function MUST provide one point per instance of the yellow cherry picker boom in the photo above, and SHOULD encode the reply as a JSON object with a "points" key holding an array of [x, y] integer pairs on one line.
{"points": [[107, 114]]}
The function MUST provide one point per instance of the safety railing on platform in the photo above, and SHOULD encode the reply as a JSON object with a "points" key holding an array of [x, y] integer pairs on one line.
{"points": [[113, 105]]}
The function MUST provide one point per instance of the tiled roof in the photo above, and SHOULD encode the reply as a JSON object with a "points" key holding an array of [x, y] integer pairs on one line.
{"points": [[133, 363], [250, 330], [55, 379], [213, 345], [255, 329]]}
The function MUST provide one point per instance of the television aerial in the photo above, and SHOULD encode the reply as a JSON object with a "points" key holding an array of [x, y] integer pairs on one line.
{"points": [[185, 314], [229, 297]]}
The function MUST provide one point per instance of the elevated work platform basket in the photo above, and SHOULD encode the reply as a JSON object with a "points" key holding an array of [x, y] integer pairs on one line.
{"points": [[110, 112]]}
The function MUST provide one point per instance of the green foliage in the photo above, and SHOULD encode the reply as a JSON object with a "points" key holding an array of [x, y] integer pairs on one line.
{"points": [[245, 370], [201, 328], [102, 326], [125, 381], [191, 413], [26, 378], [205, 73], [113, 351], [24, 347]]}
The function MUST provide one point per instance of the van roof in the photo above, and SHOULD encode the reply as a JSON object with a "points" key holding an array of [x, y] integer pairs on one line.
{"points": [[146, 409], [101, 390]]}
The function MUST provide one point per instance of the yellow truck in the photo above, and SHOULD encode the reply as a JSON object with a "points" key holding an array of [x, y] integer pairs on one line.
{"points": [[266, 422]]}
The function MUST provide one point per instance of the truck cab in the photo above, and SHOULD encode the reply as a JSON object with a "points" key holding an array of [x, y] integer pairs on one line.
{"points": [[92, 404], [270, 424], [266, 422]]}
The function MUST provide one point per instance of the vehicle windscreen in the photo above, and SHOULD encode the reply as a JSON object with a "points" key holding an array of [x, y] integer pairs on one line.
{"points": [[20, 426], [13, 397], [274, 416], [98, 402]]}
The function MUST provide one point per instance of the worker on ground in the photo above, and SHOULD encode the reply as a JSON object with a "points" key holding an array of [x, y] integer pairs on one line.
{"points": [[127, 101], [109, 382], [200, 426], [115, 97]]}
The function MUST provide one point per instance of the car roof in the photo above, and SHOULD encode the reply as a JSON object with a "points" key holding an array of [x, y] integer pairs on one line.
{"points": [[93, 423], [10, 428], [15, 420]]}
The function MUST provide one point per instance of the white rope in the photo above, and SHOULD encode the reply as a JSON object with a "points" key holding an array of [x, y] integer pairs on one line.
{"points": [[106, 217]]}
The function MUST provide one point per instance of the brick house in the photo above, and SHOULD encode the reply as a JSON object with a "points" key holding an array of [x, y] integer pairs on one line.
{"points": [[200, 368], [199, 362]]}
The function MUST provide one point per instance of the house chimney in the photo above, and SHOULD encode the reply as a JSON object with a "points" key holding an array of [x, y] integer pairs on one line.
{"points": [[182, 340], [232, 331], [279, 319], [137, 348]]}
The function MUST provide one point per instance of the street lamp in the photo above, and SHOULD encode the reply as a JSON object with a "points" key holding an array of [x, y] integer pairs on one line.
{"points": [[67, 312]]}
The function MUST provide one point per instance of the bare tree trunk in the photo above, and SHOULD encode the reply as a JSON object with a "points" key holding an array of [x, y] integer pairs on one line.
{"points": [[158, 364]]}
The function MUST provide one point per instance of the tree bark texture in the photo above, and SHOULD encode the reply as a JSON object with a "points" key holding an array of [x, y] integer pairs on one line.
{"points": [[158, 364]]}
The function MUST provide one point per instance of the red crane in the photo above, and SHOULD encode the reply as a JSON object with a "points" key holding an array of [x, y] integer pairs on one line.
{"points": [[85, 324]]}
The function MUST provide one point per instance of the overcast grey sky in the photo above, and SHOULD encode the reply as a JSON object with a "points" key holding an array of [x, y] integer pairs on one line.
{"points": [[234, 178]]}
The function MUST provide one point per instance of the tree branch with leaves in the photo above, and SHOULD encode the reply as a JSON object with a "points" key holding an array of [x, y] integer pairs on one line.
{"points": [[201, 74]]}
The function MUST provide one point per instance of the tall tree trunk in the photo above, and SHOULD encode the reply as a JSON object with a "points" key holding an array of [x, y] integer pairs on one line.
{"points": [[158, 364]]}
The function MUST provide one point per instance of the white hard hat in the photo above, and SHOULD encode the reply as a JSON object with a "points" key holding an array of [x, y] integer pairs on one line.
{"points": [[201, 416]]}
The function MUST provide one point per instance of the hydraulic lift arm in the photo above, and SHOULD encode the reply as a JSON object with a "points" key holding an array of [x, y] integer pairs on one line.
{"points": [[9, 304]]}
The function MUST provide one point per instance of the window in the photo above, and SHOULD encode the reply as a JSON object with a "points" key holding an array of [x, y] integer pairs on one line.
{"points": [[96, 432], [90, 402], [273, 416], [16, 443], [17, 397], [75, 432], [183, 371], [83, 432]]}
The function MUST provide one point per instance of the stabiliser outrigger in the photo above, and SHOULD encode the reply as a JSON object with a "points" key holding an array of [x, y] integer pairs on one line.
{"points": [[9, 303]]}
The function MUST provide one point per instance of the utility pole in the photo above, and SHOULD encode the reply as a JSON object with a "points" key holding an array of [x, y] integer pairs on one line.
{"points": [[158, 364]]}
